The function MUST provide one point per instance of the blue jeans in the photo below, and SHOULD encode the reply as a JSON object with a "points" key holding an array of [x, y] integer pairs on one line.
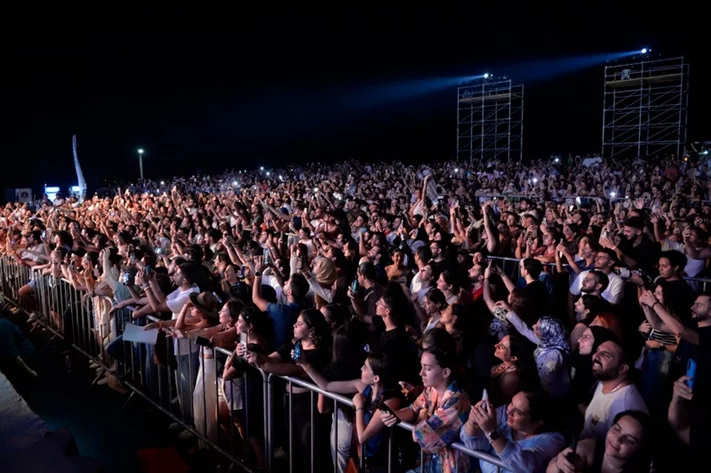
{"points": [[655, 370], [116, 350], [185, 379], [153, 379], [433, 464]]}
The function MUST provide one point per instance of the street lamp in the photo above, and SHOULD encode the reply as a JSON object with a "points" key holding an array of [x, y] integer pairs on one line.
{"points": [[140, 161]]}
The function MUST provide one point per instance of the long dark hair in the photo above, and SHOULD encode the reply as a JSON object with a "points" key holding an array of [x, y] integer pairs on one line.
{"points": [[260, 322], [540, 408], [348, 353], [381, 366], [446, 359], [319, 331]]}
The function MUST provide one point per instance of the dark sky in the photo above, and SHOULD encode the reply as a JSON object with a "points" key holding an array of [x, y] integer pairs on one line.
{"points": [[310, 87]]}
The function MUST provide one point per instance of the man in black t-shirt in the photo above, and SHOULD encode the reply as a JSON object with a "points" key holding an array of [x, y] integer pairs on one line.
{"points": [[688, 413], [635, 250]]}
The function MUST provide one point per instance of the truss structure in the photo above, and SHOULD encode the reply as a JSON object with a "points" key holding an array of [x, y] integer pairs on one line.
{"points": [[490, 120], [645, 108]]}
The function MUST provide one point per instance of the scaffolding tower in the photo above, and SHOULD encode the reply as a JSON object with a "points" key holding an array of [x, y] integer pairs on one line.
{"points": [[490, 120], [645, 108]]}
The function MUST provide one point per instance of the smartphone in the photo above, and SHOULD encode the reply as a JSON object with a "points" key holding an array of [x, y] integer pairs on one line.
{"points": [[203, 342], [354, 285], [485, 398], [148, 270], [266, 256], [297, 351], [243, 339], [384, 407], [691, 372], [573, 457], [44, 234]]}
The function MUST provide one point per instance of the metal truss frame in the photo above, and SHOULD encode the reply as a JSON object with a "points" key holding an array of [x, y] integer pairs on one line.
{"points": [[645, 107], [490, 120]]}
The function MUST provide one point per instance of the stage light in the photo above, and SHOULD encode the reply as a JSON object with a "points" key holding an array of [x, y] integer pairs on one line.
{"points": [[486, 75], [645, 50]]}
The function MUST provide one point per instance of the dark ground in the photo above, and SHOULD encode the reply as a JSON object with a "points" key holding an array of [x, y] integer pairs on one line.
{"points": [[65, 400]]}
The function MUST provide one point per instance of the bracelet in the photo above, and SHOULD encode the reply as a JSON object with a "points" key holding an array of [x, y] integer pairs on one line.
{"points": [[359, 409], [655, 303]]}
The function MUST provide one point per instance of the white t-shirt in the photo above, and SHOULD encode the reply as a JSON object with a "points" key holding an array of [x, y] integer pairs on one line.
{"points": [[604, 407], [33, 257], [613, 294], [175, 302]]}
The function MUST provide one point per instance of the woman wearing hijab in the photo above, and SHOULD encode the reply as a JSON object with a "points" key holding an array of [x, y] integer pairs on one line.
{"points": [[552, 353]]}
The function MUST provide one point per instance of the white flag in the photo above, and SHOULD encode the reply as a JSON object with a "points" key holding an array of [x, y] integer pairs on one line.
{"points": [[80, 175]]}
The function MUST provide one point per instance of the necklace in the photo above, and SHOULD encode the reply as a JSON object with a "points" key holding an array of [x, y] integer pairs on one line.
{"points": [[619, 385]]}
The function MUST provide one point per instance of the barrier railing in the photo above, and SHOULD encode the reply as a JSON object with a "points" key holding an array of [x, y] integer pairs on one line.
{"points": [[341, 400], [88, 326], [178, 377]]}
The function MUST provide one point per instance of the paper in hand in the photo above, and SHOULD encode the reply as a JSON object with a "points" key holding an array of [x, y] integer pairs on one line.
{"points": [[135, 333]]}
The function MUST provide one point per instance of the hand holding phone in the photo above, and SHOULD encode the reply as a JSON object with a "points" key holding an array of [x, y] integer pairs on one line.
{"points": [[203, 342], [381, 406], [691, 372], [296, 352]]}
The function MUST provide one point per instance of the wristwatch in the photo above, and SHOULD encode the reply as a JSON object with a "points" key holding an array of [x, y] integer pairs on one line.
{"points": [[257, 274], [493, 435]]}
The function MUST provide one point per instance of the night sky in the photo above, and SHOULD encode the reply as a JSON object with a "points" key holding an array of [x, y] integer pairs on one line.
{"points": [[302, 87]]}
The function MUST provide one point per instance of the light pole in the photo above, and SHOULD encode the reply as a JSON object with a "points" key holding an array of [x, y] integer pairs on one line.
{"points": [[140, 161]]}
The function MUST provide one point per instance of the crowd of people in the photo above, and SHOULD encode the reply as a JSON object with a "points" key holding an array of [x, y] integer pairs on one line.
{"points": [[553, 315]]}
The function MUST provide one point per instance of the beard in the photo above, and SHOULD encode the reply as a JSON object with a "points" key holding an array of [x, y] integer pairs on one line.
{"points": [[600, 374]]}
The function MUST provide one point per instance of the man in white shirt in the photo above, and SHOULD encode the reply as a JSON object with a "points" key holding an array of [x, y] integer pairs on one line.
{"points": [[614, 392], [605, 260]]}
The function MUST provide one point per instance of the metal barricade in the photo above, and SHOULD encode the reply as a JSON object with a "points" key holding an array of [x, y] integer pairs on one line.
{"points": [[160, 374], [343, 401], [170, 372]]}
